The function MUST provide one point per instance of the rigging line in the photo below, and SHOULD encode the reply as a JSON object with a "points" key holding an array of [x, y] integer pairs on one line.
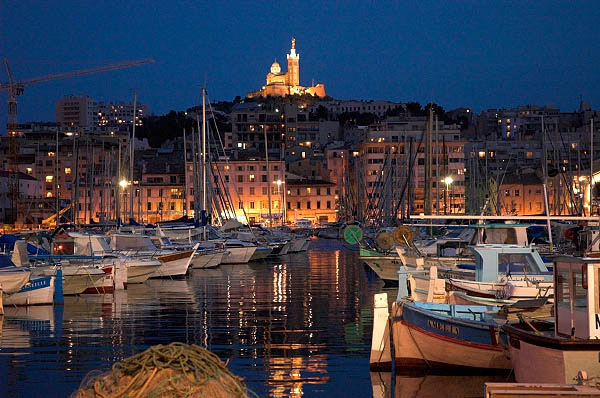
{"points": [[218, 134], [411, 164]]}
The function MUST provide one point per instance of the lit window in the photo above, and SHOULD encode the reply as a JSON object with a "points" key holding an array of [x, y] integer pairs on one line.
{"points": [[251, 178], [49, 178], [67, 170], [307, 190]]}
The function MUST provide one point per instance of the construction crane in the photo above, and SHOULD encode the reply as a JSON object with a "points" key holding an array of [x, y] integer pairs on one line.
{"points": [[16, 88]]}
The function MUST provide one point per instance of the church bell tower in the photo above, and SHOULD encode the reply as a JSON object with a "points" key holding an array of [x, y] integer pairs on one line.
{"points": [[293, 69]]}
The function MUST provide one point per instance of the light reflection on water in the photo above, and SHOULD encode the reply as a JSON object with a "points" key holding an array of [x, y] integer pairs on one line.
{"points": [[299, 326]]}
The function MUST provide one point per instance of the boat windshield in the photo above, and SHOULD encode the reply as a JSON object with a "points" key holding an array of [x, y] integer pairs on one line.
{"points": [[517, 263]]}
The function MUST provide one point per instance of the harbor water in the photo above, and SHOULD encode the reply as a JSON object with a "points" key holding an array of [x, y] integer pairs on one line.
{"points": [[296, 326]]}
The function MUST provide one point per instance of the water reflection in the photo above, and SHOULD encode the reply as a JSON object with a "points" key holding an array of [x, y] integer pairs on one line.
{"points": [[299, 326], [427, 386]]}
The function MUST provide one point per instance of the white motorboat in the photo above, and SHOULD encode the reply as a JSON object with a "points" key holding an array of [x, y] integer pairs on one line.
{"points": [[207, 258], [139, 269]]}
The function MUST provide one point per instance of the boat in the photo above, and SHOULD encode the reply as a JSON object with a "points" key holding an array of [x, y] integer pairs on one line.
{"points": [[173, 263], [556, 351], [502, 271], [436, 335], [139, 268]]}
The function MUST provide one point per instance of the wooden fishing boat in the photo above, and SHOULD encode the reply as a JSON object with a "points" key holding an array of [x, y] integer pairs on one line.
{"points": [[555, 352]]}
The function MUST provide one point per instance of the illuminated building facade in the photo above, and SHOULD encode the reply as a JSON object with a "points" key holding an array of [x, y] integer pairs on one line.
{"points": [[281, 84]]}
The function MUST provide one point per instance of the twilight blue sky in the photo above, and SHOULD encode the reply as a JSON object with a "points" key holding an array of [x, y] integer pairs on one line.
{"points": [[457, 53]]}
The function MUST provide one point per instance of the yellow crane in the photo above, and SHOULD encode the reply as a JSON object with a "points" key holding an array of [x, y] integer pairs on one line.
{"points": [[16, 88]]}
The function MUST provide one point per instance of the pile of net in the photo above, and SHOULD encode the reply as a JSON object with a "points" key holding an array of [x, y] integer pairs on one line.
{"points": [[176, 370]]}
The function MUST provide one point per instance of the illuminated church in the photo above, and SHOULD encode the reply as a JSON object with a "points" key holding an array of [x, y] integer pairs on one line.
{"points": [[280, 84]]}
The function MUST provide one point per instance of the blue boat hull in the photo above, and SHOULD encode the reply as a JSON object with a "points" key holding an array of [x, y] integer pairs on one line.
{"points": [[434, 336]]}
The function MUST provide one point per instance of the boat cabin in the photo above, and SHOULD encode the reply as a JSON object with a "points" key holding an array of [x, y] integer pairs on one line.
{"points": [[514, 234], [511, 260], [577, 297], [89, 244], [135, 242]]}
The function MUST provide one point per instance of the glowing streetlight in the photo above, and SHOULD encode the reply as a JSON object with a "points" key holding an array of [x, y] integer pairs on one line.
{"points": [[123, 183], [448, 180]]}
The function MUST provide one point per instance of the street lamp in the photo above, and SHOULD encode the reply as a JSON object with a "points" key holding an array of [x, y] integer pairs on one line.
{"points": [[448, 181]]}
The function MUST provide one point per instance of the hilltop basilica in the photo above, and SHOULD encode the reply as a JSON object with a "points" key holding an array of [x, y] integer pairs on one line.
{"points": [[280, 84]]}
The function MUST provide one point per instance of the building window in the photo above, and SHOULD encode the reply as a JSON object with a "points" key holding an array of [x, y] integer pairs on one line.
{"points": [[149, 206], [329, 204], [318, 191], [251, 178], [240, 178], [49, 178], [263, 178], [241, 205], [506, 192], [251, 190], [308, 204], [172, 206], [289, 205], [67, 170], [517, 192], [298, 205], [264, 191], [308, 190], [240, 190], [252, 205], [328, 191], [318, 204]]}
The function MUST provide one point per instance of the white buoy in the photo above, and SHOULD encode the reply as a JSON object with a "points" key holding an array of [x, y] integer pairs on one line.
{"points": [[381, 358]]}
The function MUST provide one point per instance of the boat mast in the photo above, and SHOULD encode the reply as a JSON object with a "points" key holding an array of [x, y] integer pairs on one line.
{"points": [[437, 167], [132, 156], [185, 203], [268, 175], [56, 184], [591, 163], [204, 213]]}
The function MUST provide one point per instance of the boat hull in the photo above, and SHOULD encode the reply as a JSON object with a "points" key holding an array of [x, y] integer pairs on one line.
{"points": [[238, 255], [173, 265], [140, 273], [544, 360], [261, 253], [38, 292], [207, 260], [423, 340]]}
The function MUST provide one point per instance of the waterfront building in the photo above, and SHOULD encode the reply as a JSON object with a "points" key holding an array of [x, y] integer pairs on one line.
{"points": [[336, 107], [242, 182], [281, 84], [311, 199], [390, 163]]}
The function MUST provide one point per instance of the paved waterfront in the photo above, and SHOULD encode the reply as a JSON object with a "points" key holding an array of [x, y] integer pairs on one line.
{"points": [[299, 326]]}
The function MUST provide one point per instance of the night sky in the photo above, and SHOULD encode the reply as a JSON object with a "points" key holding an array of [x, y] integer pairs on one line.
{"points": [[456, 53]]}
